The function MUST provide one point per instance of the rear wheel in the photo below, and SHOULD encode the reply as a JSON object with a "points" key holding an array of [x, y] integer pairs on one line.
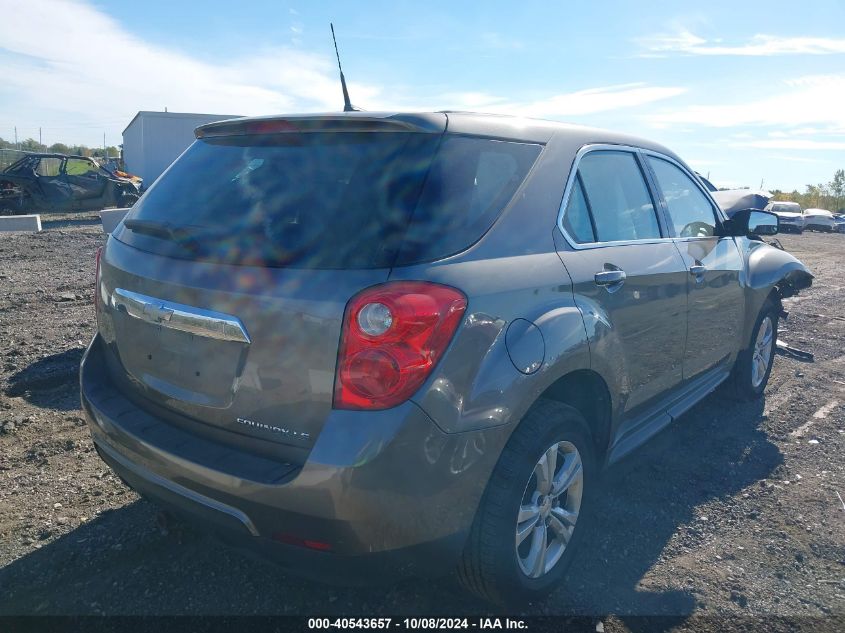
{"points": [[532, 515], [754, 364]]}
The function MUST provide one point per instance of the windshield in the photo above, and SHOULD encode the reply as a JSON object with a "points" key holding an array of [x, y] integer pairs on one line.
{"points": [[785, 207], [329, 200]]}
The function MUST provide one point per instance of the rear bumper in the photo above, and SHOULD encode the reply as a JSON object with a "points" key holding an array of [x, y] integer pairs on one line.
{"points": [[385, 490]]}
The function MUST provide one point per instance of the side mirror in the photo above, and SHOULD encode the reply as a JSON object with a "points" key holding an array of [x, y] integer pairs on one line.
{"points": [[763, 223], [750, 222]]}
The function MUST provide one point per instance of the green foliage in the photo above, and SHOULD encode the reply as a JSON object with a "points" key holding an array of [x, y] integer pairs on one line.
{"points": [[31, 145], [830, 196]]}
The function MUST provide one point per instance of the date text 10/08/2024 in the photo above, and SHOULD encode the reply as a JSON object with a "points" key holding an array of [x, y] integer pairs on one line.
{"points": [[416, 623]]}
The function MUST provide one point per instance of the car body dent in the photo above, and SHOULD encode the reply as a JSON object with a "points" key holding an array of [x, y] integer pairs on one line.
{"points": [[771, 269], [476, 385], [769, 266]]}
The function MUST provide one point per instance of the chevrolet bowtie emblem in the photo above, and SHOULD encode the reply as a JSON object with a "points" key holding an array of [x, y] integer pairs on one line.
{"points": [[158, 312]]}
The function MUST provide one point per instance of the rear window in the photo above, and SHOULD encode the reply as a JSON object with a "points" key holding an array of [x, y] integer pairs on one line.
{"points": [[329, 200]]}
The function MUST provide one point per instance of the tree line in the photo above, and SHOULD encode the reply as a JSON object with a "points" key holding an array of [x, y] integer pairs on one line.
{"points": [[830, 196], [31, 145]]}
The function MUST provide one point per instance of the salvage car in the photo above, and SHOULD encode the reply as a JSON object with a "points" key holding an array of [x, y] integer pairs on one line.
{"points": [[790, 214], [369, 345], [819, 220], [733, 200], [56, 182]]}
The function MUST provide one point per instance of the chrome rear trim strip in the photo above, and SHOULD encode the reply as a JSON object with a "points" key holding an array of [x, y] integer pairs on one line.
{"points": [[177, 316]]}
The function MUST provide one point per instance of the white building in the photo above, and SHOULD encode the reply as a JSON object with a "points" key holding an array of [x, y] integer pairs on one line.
{"points": [[153, 140]]}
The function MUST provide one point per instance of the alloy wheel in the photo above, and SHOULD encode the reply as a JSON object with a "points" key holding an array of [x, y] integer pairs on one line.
{"points": [[761, 355], [549, 509]]}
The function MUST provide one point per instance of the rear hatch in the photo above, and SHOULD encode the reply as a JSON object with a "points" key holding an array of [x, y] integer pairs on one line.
{"points": [[222, 294]]}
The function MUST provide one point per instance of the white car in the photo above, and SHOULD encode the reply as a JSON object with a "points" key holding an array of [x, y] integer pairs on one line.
{"points": [[792, 220], [819, 220]]}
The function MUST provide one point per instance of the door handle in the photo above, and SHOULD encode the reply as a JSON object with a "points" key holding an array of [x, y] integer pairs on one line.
{"points": [[610, 279], [697, 270]]}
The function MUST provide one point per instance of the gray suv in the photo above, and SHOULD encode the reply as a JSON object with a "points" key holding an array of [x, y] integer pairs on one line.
{"points": [[410, 342]]}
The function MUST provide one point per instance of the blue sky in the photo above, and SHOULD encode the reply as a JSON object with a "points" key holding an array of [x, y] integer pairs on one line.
{"points": [[744, 91]]}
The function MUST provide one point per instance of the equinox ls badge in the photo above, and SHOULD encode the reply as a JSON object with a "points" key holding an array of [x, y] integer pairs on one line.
{"points": [[274, 429]]}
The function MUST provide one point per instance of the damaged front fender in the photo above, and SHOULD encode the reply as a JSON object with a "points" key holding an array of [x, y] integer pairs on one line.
{"points": [[769, 270], [770, 267]]}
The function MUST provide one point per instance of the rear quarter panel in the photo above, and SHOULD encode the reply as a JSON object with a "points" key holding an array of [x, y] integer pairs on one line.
{"points": [[477, 385]]}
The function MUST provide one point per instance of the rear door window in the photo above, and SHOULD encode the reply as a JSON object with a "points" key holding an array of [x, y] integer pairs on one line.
{"points": [[329, 200], [616, 196], [576, 218], [690, 212]]}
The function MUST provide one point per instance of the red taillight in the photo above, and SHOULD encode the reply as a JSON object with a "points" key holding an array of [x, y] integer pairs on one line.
{"points": [[387, 353], [97, 278]]}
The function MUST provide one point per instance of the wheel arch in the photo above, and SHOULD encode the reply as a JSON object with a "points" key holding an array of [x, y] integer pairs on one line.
{"points": [[772, 274], [586, 391]]}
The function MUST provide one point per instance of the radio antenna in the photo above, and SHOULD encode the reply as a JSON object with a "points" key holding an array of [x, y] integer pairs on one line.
{"points": [[347, 104]]}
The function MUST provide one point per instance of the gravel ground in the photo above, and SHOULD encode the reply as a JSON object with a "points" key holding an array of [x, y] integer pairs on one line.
{"points": [[733, 511]]}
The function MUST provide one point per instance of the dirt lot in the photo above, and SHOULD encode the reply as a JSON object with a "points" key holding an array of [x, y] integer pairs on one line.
{"points": [[735, 510]]}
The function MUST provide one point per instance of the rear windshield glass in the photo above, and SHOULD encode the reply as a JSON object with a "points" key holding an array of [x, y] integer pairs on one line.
{"points": [[328, 200]]}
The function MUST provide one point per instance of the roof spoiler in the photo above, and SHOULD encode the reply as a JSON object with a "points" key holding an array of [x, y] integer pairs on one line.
{"points": [[430, 123]]}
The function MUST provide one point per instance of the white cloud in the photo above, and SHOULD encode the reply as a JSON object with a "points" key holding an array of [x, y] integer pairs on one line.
{"points": [[570, 104], [687, 43], [66, 65], [812, 102], [106, 73], [792, 158], [800, 144], [601, 100]]}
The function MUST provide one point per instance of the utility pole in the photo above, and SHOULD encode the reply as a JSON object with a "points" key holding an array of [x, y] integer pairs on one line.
{"points": [[39, 139], [16, 138], [104, 146]]}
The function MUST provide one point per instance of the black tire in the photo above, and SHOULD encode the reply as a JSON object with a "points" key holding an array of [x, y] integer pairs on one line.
{"points": [[489, 567], [741, 385]]}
